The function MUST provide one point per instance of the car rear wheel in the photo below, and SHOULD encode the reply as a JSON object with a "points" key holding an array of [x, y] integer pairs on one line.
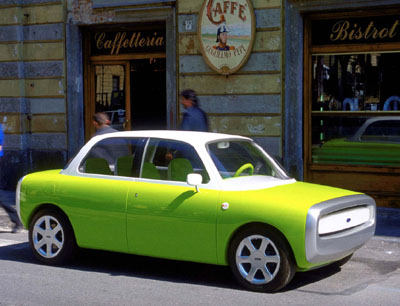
{"points": [[260, 260], [51, 237]]}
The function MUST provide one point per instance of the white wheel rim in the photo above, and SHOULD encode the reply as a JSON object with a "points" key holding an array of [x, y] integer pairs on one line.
{"points": [[257, 259], [48, 236]]}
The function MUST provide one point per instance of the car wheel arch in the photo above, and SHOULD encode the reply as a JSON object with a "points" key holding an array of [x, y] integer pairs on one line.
{"points": [[47, 206], [263, 226]]}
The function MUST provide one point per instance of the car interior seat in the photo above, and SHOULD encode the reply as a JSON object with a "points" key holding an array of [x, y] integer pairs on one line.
{"points": [[150, 171], [124, 165], [97, 166], [178, 169]]}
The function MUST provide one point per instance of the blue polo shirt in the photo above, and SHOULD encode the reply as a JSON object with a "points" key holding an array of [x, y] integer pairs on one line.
{"points": [[1, 140], [194, 119]]}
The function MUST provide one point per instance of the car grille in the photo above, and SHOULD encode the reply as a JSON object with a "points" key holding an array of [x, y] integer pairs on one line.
{"points": [[346, 219]]}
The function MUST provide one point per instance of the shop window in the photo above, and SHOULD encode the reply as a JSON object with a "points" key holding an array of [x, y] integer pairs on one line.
{"points": [[355, 104]]}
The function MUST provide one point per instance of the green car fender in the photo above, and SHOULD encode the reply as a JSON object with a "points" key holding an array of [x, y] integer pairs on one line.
{"points": [[283, 207], [36, 189]]}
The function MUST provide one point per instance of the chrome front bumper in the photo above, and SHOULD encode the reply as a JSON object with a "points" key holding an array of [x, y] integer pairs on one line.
{"points": [[352, 223]]}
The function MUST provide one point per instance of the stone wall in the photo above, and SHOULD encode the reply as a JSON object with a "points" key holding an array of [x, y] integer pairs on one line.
{"points": [[32, 87], [248, 102]]}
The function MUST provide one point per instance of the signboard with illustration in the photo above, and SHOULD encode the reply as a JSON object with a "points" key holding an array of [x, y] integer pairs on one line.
{"points": [[226, 31]]}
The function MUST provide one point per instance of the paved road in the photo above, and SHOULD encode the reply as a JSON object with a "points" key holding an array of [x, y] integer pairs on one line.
{"points": [[100, 278], [372, 277]]}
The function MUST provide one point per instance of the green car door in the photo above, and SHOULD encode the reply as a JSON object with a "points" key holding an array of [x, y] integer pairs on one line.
{"points": [[165, 216], [96, 207]]}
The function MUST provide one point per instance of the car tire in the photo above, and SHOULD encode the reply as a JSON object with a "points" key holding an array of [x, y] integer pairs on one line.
{"points": [[261, 260], [51, 237]]}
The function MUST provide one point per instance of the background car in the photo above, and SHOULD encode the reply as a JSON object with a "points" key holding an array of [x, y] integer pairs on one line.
{"points": [[376, 142], [193, 196]]}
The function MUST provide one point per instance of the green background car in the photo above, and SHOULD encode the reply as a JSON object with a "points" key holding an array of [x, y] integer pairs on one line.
{"points": [[376, 142], [201, 197]]}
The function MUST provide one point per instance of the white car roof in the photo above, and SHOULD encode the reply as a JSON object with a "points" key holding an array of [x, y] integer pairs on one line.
{"points": [[186, 136]]}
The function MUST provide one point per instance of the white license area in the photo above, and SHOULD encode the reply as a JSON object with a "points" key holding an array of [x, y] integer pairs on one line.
{"points": [[343, 219]]}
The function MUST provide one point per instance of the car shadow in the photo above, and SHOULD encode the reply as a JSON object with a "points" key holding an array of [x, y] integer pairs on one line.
{"points": [[302, 279], [119, 264]]}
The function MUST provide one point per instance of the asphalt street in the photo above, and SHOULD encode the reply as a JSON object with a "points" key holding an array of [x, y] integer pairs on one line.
{"points": [[371, 277]]}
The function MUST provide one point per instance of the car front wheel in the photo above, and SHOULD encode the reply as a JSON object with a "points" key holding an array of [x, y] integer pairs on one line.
{"points": [[51, 237], [260, 260]]}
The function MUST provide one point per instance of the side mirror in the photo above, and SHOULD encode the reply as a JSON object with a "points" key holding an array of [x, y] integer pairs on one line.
{"points": [[194, 179]]}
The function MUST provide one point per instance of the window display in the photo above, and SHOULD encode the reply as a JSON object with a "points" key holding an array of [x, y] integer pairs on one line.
{"points": [[355, 104]]}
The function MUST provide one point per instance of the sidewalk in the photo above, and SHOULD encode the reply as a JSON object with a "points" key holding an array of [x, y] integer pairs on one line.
{"points": [[387, 222], [7, 197]]}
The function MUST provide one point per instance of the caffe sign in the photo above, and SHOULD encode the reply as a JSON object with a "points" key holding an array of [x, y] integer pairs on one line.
{"points": [[125, 42], [226, 31]]}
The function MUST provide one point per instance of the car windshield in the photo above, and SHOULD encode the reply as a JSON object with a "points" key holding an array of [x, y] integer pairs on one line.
{"points": [[235, 158]]}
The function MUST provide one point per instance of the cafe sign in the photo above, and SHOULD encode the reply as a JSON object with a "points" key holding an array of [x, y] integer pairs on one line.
{"points": [[125, 42], [372, 29], [226, 31]]}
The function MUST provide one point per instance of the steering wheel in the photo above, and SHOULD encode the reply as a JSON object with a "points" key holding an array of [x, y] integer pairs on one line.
{"points": [[244, 167]]}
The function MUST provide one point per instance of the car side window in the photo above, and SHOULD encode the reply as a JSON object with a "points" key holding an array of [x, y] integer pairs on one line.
{"points": [[171, 160], [112, 156], [383, 131]]}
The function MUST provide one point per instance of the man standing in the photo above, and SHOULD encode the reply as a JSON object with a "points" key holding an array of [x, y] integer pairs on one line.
{"points": [[1, 140], [194, 118], [101, 123], [12, 214]]}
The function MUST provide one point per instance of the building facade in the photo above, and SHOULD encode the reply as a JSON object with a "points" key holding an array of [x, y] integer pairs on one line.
{"points": [[315, 73]]}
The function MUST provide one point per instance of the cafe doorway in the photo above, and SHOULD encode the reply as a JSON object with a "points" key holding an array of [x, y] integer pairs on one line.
{"points": [[132, 93], [126, 76], [148, 94]]}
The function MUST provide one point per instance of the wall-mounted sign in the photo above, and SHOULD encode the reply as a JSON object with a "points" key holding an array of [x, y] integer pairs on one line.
{"points": [[374, 29], [123, 42], [226, 31]]}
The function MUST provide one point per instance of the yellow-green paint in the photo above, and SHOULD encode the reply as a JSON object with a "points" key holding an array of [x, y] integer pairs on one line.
{"points": [[233, 84], [43, 51], [43, 14], [189, 44], [194, 6], [10, 52], [175, 222], [246, 125], [9, 16], [10, 123], [283, 207], [48, 123], [10, 88], [189, 6], [44, 87], [260, 4], [267, 41]]}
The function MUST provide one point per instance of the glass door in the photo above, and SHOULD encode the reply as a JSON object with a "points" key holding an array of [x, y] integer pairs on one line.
{"points": [[110, 94]]}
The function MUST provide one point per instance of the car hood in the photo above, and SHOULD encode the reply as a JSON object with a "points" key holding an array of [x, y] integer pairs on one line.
{"points": [[295, 194], [301, 194]]}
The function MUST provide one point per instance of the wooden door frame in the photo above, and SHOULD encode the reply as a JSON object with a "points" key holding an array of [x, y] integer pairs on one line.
{"points": [[89, 84], [309, 51], [91, 95]]}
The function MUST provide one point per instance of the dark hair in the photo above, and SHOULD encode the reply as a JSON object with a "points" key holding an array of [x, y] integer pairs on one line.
{"points": [[190, 94], [101, 118]]}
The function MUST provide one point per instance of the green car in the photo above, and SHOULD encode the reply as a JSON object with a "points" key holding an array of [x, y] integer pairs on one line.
{"points": [[376, 142], [193, 196]]}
